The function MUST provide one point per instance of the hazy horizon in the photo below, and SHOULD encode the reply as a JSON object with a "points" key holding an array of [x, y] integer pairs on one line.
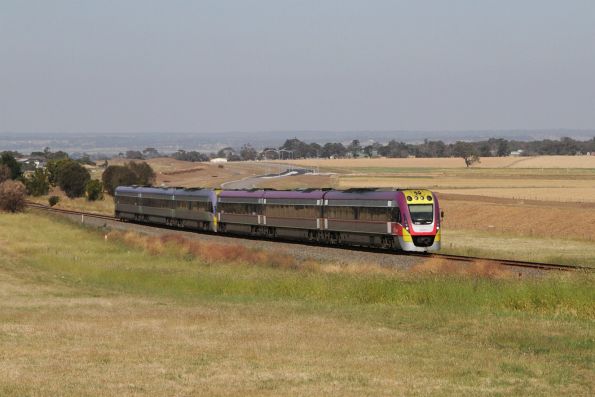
{"points": [[208, 67]]}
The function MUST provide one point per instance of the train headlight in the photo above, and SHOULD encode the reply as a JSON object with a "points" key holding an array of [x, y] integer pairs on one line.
{"points": [[429, 198], [409, 198]]}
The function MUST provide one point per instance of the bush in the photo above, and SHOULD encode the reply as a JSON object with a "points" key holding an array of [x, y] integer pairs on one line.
{"points": [[143, 171], [12, 196], [126, 175], [73, 178], [5, 173], [53, 200], [53, 169], [117, 175], [9, 161], [38, 183], [94, 190]]}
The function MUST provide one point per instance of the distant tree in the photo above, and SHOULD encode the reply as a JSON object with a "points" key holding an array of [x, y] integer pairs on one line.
{"points": [[8, 159], [12, 196], [333, 150], [372, 150], [86, 159], [354, 147], [134, 155], [502, 148], [467, 152], [484, 149], [49, 155], [94, 190], [247, 152], [5, 173], [269, 154], [72, 178], [394, 149], [117, 175], [294, 148], [183, 155], [132, 173], [38, 182], [226, 152], [569, 146], [53, 168], [143, 171], [314, 150], [151, 152]]}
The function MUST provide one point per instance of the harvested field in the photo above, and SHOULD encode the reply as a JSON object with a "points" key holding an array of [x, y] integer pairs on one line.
{"points": [[571, 195], [533, 219], [486, 162], [171, 172], [300, 182]]}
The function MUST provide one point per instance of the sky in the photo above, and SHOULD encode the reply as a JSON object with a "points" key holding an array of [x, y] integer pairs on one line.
{"points": [[306, 65]]}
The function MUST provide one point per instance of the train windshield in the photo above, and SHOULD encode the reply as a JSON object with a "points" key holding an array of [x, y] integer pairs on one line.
{"points": [[421, 214]]}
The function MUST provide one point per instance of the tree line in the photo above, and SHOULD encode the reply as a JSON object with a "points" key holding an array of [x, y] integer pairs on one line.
{"points": [[297, 149]]}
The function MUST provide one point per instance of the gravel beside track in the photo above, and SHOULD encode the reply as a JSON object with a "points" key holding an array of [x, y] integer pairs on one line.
{"points": [[300, 251]]}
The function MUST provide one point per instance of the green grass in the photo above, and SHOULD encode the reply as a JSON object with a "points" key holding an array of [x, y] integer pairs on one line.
{"points": [[121, 267], [298, 331], [508, 246]]}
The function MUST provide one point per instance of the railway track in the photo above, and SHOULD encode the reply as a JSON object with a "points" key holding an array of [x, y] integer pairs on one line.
{"points": [[69, 212], [512, 263], [458, 258]]}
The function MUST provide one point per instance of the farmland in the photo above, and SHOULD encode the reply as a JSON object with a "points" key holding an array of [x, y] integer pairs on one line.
{"points": [[533, 208], [498, 200], [131, 316]]}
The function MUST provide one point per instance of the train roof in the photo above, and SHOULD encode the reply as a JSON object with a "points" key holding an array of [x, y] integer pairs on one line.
{"points": [[177, 191], [361, 194], [294, 194]]}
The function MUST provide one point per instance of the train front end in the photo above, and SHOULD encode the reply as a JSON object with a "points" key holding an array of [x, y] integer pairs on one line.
{"points": [[419, 226]]}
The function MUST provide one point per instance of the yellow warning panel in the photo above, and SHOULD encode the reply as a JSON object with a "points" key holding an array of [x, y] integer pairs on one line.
{"points": [[421, 196]]}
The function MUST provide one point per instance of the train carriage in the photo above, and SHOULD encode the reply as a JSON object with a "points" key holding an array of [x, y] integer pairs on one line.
{"points": [[294, 213], [241, 211], [361, 216], [187, 208]]}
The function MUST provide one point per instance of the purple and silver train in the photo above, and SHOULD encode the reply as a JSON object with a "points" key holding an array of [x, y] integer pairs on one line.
{"points": [[406, 220]]}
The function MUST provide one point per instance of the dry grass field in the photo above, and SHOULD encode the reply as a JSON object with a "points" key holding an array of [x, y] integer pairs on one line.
{"points": [[532, 208], [84, 316], [486, 162], [506, 202], [171, 172]]}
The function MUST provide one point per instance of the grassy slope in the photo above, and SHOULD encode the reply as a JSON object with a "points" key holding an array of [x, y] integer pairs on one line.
{"points": [[85, 316]]}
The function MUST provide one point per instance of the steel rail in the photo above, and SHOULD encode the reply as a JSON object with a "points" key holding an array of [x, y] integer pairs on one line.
{"points": [[460, 258]]}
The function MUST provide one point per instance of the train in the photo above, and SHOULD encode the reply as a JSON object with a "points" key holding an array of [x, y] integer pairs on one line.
{"points": [[392, 219]]}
